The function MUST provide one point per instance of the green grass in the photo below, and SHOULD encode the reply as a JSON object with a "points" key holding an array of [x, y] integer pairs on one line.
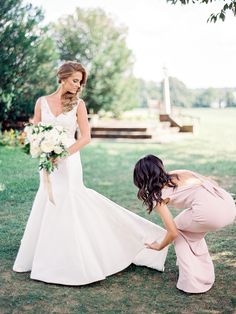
{"points": [[108, 169]]}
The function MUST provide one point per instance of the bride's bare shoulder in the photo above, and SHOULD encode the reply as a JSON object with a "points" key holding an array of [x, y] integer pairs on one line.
{"points": [[38, 102]]}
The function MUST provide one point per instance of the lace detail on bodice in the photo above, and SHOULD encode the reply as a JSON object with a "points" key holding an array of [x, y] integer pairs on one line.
{"points": [[68, 119]]}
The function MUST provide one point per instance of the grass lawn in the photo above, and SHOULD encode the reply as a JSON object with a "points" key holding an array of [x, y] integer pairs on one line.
{"points": [[108, 169]]}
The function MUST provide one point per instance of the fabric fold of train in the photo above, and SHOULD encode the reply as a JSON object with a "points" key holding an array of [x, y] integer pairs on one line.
{"points": [[84, 239]]}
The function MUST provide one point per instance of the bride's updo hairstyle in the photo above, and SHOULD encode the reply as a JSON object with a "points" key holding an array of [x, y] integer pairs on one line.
{"points": [[150, 177], [69, 100]]}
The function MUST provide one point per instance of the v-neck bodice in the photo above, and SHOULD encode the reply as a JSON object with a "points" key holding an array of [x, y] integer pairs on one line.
{"points": [[66, 119], [50, 110]]}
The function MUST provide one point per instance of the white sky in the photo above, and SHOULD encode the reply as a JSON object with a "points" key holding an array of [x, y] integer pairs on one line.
{"points": [[200, 54]]}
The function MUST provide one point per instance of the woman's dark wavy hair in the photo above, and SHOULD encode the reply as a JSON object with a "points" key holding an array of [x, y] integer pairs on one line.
{"points": [[150, 177]]}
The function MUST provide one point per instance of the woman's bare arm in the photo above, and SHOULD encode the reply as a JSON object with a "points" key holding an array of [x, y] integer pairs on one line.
{"points": [[85, 137], [37, 112], [172, 231]]}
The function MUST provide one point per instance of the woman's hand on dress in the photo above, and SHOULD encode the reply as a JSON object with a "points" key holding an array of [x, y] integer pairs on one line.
{"points": [[154, 246], [55, 161]]}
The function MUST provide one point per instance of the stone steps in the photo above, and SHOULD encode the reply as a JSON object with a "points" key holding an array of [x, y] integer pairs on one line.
{"points": [[120, 132], [133, 130], [176, 123]]}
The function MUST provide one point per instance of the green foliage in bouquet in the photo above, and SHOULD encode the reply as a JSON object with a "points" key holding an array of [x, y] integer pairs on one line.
{"points": [[47, 143]]}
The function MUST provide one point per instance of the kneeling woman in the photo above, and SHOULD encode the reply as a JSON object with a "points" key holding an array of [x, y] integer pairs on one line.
{"points": [[208, 208]]}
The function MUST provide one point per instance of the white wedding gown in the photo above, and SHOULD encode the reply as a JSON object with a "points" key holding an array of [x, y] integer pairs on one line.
{"points": [[84, 237]]}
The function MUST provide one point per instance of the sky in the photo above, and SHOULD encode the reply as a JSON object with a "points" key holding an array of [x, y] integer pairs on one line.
{"points": [[178, 37]]}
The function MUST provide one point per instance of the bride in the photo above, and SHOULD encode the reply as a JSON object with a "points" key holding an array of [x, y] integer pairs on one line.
{"points": [[84, 237]]}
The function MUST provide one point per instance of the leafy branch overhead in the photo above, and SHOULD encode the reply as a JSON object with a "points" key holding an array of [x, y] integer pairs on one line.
{"points": [[227, 7]]}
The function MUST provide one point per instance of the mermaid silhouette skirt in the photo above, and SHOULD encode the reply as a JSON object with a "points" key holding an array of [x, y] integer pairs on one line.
{"points": [[84, 237]]}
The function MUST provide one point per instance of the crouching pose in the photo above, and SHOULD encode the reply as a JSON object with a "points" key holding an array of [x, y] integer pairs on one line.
{"points": [[208, 207]]}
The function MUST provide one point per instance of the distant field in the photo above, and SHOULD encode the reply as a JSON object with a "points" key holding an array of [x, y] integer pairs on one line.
{"points": [[108, 169]]}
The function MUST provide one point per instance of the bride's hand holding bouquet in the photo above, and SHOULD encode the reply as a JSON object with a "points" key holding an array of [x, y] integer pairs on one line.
{"points": [[47, 143]]}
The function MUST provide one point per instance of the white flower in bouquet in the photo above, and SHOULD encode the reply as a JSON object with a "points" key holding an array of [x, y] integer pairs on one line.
{"points": [[64, 139], [47, 146], [28, 130], [41, 127], [35, 150], [58, 149], [53, 136], [34, 138], [46, 142]]}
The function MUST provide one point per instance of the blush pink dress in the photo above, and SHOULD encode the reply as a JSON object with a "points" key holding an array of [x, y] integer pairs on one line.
{"points": [[207, 208]]}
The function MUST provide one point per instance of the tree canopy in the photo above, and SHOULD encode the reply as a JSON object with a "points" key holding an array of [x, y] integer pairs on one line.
{"points": [[26, 58], [30, 54], [230, 6], [92, 38]]}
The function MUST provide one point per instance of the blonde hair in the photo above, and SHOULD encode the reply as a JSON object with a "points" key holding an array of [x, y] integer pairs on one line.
{"points": [[68, 99]]}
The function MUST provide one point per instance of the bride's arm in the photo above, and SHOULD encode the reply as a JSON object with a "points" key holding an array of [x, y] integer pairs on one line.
{"points": [[37, 112], [85, 137]]}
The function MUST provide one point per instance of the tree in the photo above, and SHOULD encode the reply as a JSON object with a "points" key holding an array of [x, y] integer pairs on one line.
{"points": [[92, 38], [218, 97], [149, 90], [230, 6], [26, 59], [230, 98], [206, 97], [180, 95]]}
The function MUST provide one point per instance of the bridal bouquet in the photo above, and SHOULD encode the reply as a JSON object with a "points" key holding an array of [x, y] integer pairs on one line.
{"points": [[47, 143]]}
